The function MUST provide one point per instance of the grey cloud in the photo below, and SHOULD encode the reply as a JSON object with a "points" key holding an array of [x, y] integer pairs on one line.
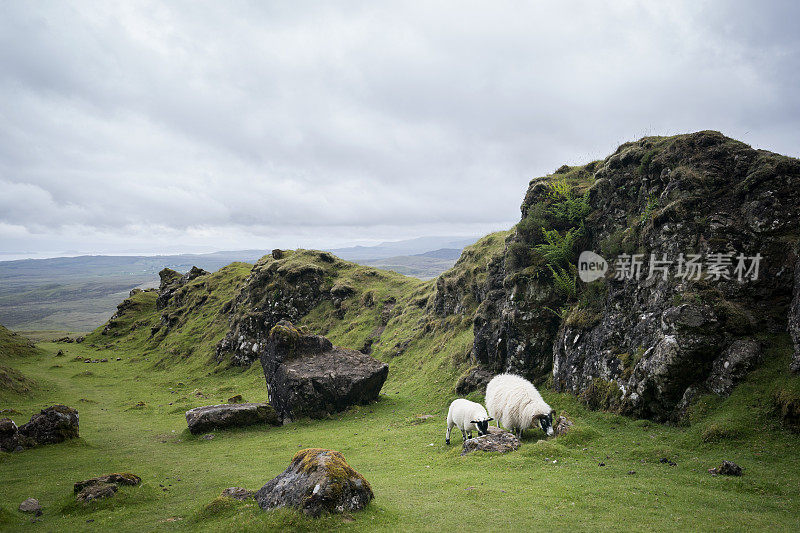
{"points": [[193, 122]]}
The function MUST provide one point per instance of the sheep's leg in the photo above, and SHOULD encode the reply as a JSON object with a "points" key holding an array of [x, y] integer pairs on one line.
{"points": [[447, 436], [464, 434], [469, 434]]}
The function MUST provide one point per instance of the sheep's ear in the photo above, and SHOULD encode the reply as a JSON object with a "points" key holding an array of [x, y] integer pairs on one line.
{"points": [[473, 421], [489, 419]]}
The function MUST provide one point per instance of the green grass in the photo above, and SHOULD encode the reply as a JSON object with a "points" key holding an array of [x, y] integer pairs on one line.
{"points": [[419, 482]]}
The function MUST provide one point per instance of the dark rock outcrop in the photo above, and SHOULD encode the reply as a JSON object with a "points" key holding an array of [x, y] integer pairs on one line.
{"points": [[171, 281], [307, 376], [641, 346], [9, 435], [52, 425], [497, 440], [475, 379], [210, 417], [283, 288], [317, 481]]}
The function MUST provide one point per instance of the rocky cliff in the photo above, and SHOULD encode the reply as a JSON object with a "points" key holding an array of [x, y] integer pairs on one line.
{"points": [[645, 344]]}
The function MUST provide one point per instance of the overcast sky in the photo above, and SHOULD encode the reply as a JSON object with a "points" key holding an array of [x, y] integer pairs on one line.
{"points": [[160, 127]]}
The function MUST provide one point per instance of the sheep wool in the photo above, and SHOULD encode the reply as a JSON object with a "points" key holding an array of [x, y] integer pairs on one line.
{"points": [[468, 416], [515, 404]]}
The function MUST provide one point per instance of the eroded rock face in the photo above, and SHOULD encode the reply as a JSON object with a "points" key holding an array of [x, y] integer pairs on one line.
{"points": [[98, 491], [639, 346], [52, 425], [307, 376], [238, 493], [317, 481], [475, 379], [741, 356], [211, 417], [497, 440], [794, 316]]}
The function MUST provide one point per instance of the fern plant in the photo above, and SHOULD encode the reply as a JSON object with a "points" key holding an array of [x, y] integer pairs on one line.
{"points": [[558, 248], [565, 281]]}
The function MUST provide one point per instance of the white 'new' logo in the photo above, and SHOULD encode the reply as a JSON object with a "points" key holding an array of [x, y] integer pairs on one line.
{"points": [[591, 266]]}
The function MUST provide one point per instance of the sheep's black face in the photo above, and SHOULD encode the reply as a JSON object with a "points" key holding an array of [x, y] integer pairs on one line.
{"points": [[483, 427], [547, 424]]}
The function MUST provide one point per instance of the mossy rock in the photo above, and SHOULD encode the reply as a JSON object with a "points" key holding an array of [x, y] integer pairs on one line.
{"points": [[317, 482]]}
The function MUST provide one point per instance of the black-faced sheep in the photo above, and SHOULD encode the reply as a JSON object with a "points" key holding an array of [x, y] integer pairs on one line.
{"points": [[468, 416], [516, 404]]}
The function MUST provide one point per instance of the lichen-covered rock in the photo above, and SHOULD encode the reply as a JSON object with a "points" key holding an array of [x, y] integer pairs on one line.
{"points": [[52, 425], [210, 417], [317, 481], [237, 493], [9, 435], [497, 440], [119, 478], [734, 363], [31, 505], [307, 376]]}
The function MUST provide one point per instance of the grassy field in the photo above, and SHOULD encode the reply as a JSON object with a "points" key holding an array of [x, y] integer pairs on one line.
{"points": [[419, 482]]}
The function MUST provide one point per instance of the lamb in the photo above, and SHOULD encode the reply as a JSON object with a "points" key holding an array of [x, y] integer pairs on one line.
{"points": [[467, 416], [516, 404]]}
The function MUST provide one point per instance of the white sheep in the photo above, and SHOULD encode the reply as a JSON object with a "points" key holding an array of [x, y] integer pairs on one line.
{"points": [[468, 416], [516, 404]]}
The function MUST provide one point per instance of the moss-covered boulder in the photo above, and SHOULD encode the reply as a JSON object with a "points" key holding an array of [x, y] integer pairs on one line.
{"points": [[317, 481], [307, 376], [9, 435]]}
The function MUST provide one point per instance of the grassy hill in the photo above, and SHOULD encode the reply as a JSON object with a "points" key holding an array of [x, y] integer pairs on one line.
{"points": [[132, 420]]}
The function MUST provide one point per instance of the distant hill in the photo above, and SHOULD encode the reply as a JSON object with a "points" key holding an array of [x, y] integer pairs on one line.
{"points": [[79, 293]]}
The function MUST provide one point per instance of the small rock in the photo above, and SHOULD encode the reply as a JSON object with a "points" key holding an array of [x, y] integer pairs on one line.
{"points": [[31, 505], [666, 461], [237, 493], [631, 472], [120, 478], [236, 399], [562, 425], [95, 492], [601, 464], [727, 468], [104, 360], [209, 436], [60, 353], [496, 441]]}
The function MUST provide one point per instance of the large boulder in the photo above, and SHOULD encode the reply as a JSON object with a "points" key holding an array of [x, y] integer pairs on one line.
{"points": [[210, 417], [497, 440], [734, 363], [307, 376], [52, 425], [119, 478], [317, 481]]}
